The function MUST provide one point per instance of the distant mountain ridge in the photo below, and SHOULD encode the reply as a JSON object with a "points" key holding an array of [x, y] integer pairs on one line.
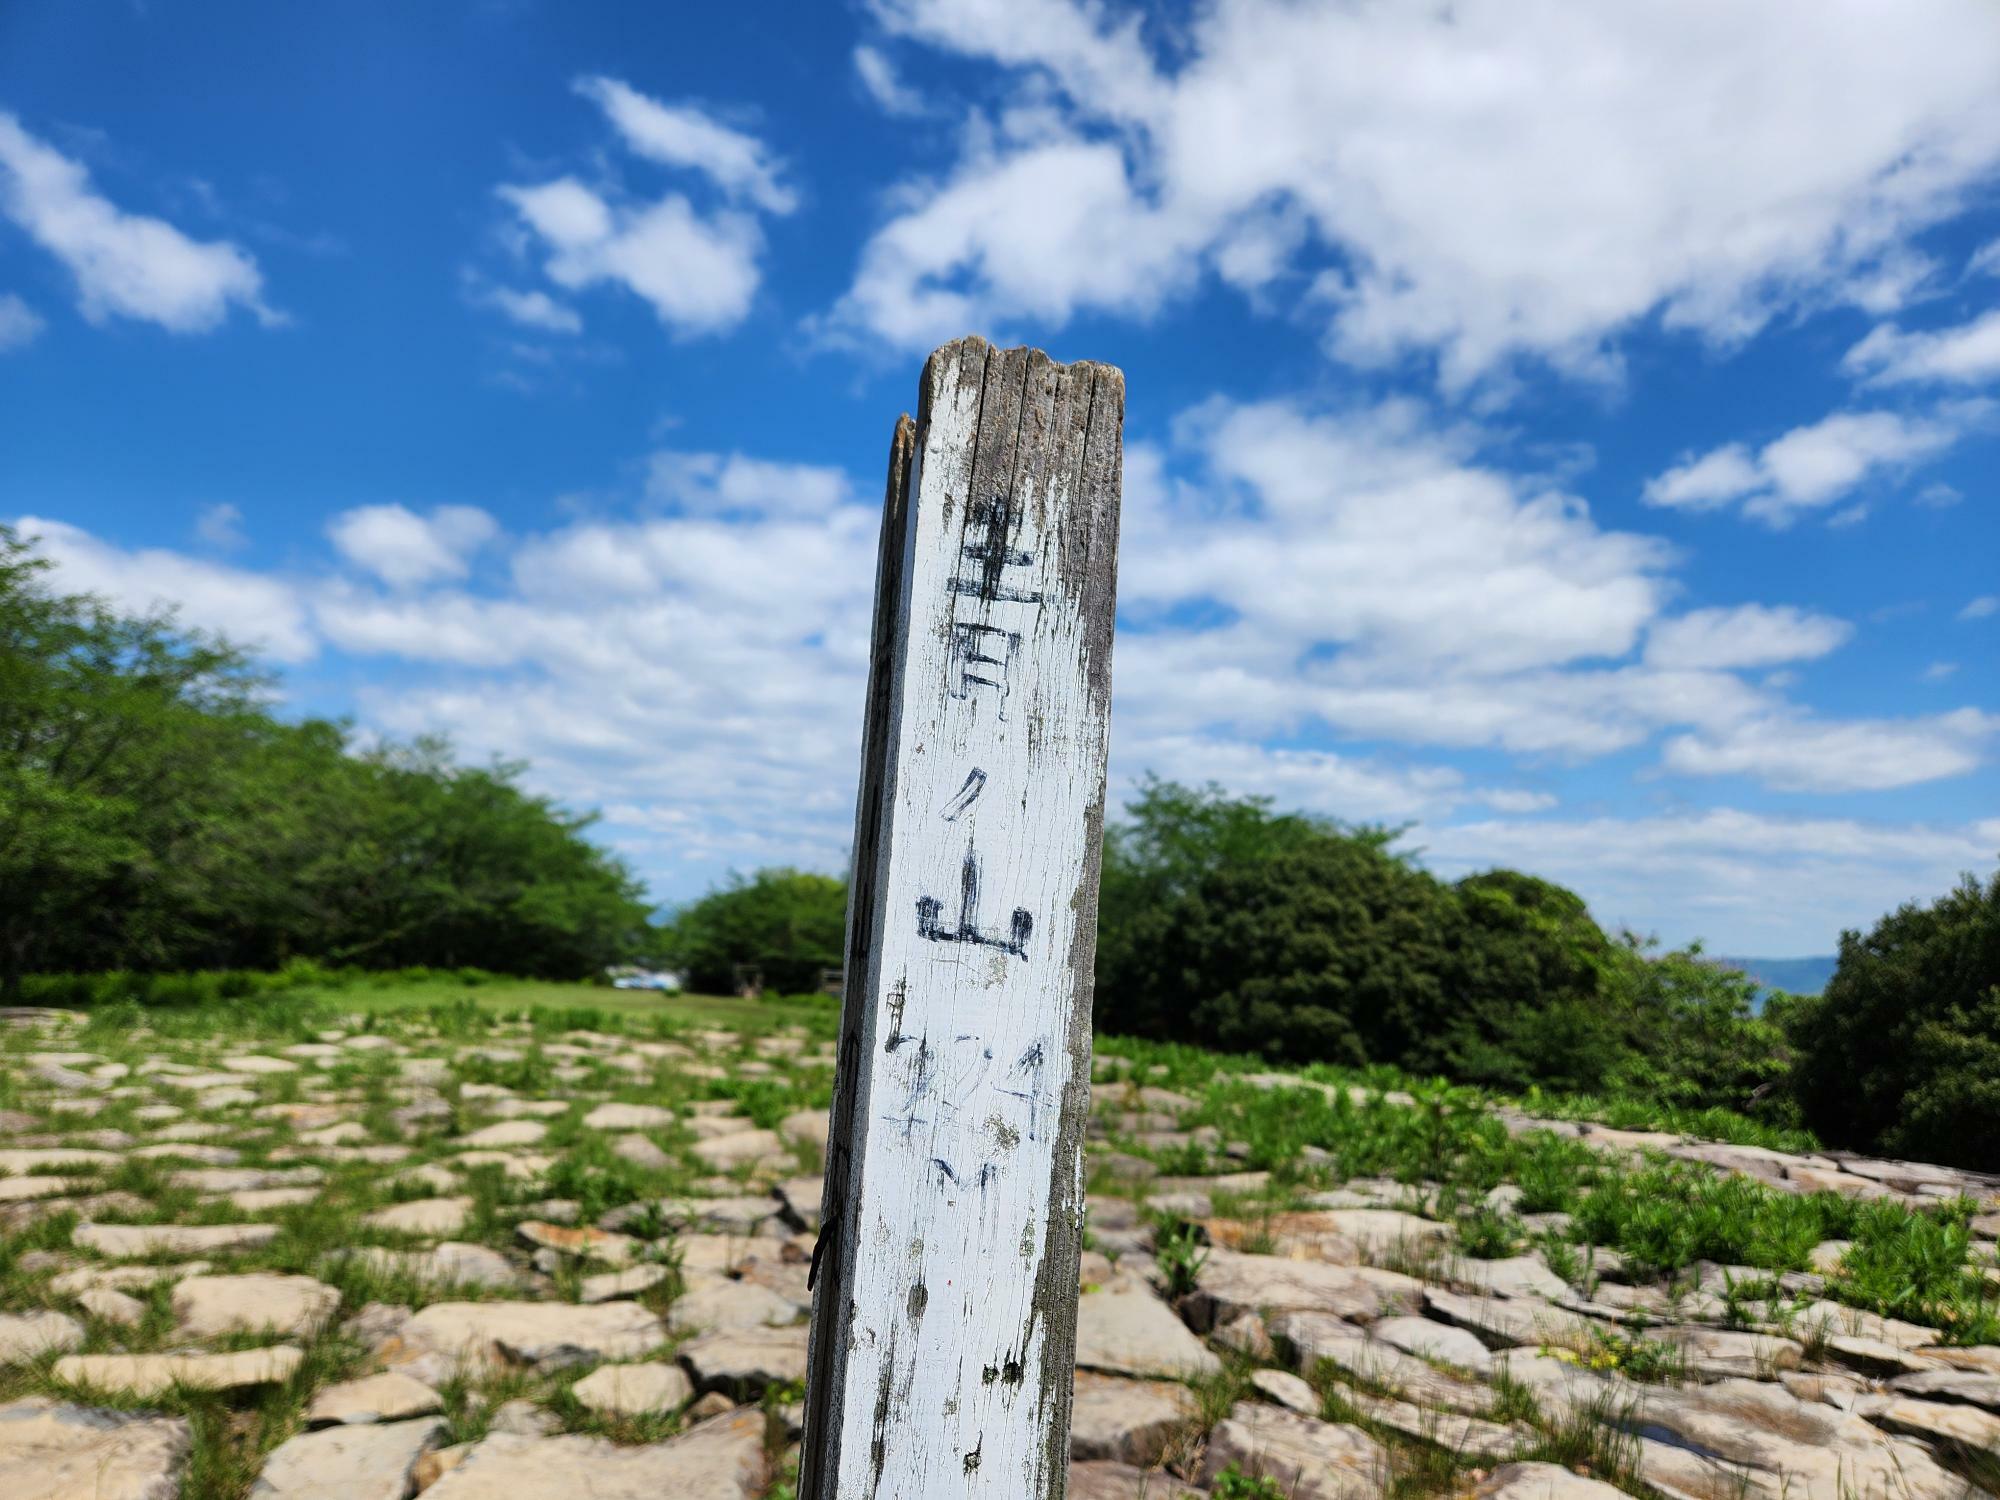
{"points": [[1795, 976]]}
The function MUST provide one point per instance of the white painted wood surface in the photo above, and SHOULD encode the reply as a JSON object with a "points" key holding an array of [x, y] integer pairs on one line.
{"points": [[945, 1280]]}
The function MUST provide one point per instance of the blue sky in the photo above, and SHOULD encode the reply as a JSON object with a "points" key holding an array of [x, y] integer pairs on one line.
{"points": [[1569, 430]]}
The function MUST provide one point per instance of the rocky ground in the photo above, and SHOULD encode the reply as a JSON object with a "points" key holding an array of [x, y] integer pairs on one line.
{"points": [[315, 1256]]}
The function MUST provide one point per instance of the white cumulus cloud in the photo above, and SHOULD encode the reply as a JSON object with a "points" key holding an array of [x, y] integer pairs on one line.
{"points": [[254, 610], [125, 265], [20, 324], [1474, 182], [1965, 355], [1807, 468], [1749, 635], [696, 265], [402, 548]]}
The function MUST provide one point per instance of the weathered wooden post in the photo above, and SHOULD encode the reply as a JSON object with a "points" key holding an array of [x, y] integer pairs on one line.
{"points": [[945, 1278]]}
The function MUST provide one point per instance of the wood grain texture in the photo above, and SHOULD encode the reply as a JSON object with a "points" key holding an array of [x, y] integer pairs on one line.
{"points": [[945, 1280]]}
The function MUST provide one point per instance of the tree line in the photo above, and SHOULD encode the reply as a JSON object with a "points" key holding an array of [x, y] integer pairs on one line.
{"points": [[157, 814], [1230, 925]]}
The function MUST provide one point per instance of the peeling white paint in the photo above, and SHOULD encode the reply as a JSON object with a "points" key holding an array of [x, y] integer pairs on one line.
{"points": [[954, 1195]]}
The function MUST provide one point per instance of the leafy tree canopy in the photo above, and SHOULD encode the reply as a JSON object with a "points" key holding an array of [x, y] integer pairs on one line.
{"points": [[1902, 1052], [155, 814]]}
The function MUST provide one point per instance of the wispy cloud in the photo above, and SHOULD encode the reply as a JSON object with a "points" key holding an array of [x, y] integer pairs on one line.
{"points": [[125, 265]]}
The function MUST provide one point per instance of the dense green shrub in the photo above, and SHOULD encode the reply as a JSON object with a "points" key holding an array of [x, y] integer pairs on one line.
{"points": [[1902, 1052], [160, 817], [1227, 924], [786, 924]]}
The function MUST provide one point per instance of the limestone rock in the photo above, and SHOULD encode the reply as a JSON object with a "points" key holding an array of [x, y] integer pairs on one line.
{"points": [[592, 1244], [1132, 1421], [1231, 1284], [508, 1133], [423, 1216], [641, 1152], [725, 1152], [136, 1241], [1969, 1386], [1134, 1333], [146, 1375], [389, 1397], [1814, 1451], [1307, 1458], [27, 1336], [534, 1333], [634, 1390], [715, 1304], [52, 1450], [211, 1306], [113, 1307], [744, 1364], [612, 1285], [723, 1459], [1542, 1482], [1435, 1341], [1945, 1422], [362, 1462], [450, 1264], [806, 1125], [1716, 1353], [1312, 1337], [1287, 1389], [628, 1117]]}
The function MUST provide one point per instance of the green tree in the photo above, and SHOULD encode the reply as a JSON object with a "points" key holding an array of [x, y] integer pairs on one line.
{"points": [[113, 729], [788, 924], [155, 814], [1902, 1052], [1528, 971]]}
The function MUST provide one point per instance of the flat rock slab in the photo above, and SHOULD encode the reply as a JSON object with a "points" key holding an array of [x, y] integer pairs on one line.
{"points": [[1307, 1459], [390, 1397], [1434, 1341], [1946, 1422], [1129, 1421], [715, 1304], [52, 1450], [1718, 1353], [1813, 1451], [1507, 1322], [1231, 1284], [147, 1375], [211, 1306], [723, 1459], [744, 1364], [371, 1462], [634, 1390], [451, 1264], [612, 1285], [28, 1336], [1968, 1386], [724, 1152], [533, 1333], [508, 1133], [585, 1242], [1543, 1482], [1312, 1337], [136, 1241], [1134, 1333], [628, 1117], [422, 1216]]}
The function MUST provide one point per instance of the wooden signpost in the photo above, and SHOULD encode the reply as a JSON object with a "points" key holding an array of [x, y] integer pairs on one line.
{"points": [[945, 1278]]}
